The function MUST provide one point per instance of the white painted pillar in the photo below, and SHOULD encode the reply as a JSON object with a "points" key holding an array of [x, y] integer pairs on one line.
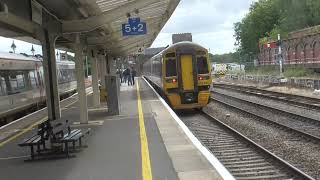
{"points": [[112, 67], [79, 58], [103, 69], [98, 66], [50, 75], [95, 85]]}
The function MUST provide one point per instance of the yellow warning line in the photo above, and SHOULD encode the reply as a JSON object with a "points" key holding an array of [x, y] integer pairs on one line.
{"points": [[22, 132], [146, 167]]}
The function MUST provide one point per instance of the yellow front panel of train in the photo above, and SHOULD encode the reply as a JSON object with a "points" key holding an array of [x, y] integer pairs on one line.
{"points": [[187, 72]]}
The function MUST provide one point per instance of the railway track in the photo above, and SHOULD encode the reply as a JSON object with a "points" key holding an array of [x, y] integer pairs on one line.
{"points": [[305, 127], [244, 158], [297, 100]]}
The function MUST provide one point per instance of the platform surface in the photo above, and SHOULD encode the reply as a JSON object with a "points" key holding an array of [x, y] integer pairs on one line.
{"points": [[113, 151], [114, 146]]}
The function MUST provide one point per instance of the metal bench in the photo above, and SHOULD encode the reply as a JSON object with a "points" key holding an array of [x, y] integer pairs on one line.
{"points": [[58, 133], [72, 137], [36, 140], [31, 142]]}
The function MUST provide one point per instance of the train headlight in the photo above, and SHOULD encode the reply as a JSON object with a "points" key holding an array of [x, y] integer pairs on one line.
{"points": [[203, 77], [174, 80], [171, 80]]}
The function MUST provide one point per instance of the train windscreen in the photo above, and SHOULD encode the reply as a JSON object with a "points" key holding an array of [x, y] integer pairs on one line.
{"points": [[202, 65], [171, 68]]}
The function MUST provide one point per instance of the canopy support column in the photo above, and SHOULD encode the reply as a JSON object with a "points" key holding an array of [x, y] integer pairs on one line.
{"points": [[50, 75], [79, 58], [103, 69], [95, 84]]}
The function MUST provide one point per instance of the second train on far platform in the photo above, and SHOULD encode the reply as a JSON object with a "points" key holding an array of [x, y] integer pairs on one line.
{"points": [[182, 73]]}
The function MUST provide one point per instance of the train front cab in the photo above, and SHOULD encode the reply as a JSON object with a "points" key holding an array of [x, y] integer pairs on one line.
{"points": [[187, 79]]}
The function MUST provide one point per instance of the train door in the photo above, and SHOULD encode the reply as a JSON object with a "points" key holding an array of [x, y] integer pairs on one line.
{"points": [[187, 72]]}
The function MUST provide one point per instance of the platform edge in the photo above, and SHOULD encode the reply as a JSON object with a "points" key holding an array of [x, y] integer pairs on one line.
{"points": [[216, 164]]}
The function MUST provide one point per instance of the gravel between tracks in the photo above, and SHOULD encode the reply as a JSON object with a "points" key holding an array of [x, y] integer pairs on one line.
{"points": [[308, 127], [304, 155], [273, 103]]}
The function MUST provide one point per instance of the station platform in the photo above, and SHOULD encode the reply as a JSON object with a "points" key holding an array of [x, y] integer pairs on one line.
{"points": [[144, 142]]}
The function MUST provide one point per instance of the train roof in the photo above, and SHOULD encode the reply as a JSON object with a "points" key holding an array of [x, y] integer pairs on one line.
{"points": [[66, 62], [14, 56], [24, 57], [179, 45], [184, 44]]}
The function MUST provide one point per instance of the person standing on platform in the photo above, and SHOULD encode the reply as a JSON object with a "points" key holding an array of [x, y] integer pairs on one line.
{"points": [[125, 75], [129, 77], [121, 76], [133, 74]]}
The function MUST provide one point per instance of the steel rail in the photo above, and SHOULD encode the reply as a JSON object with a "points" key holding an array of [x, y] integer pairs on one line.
{"points": [[302, 133], [266, 152], [283, 97]]}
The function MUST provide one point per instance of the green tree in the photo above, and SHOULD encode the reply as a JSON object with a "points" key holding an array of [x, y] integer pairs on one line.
{"points": [[223, 58], [294, 15], [268, 18], [314, 7], [262, 18]]}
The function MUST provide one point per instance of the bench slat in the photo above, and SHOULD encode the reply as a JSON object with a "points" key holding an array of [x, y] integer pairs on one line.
{"points": [[72, 131], [79, 135], [32, 141], [69, 136]]}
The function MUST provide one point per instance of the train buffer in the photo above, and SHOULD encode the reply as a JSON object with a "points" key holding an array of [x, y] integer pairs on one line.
{"points": [[59, 135]]}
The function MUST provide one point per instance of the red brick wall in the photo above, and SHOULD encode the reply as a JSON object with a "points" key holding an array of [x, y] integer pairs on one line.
{"points": [[298, 50]]}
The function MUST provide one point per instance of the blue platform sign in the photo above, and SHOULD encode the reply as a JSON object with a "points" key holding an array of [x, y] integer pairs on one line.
{"points": [[134, 27]]}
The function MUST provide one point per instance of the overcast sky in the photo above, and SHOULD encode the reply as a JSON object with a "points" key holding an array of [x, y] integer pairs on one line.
{"points": [[22, 47], [210, 22]]}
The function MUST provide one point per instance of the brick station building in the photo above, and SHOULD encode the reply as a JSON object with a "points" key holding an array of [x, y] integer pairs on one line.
{"points": [[302, 48]]}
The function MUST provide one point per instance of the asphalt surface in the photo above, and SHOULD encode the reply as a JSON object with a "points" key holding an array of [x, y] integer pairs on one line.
{"points": [[113, 152]]}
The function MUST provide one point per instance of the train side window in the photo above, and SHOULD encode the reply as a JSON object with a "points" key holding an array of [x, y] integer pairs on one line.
{"points": [[17, 82], [170, 55], [147, 68], [201, 53], [63, 76], [156, 64], [73, 74], [20, 81], [202, 65], [66, 75], [3, 88], [21, 84], [171, 68], [13, 82], [33, 79]]}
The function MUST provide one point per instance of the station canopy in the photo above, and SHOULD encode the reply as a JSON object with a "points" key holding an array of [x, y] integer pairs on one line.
{"points": [[98, 21]]}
